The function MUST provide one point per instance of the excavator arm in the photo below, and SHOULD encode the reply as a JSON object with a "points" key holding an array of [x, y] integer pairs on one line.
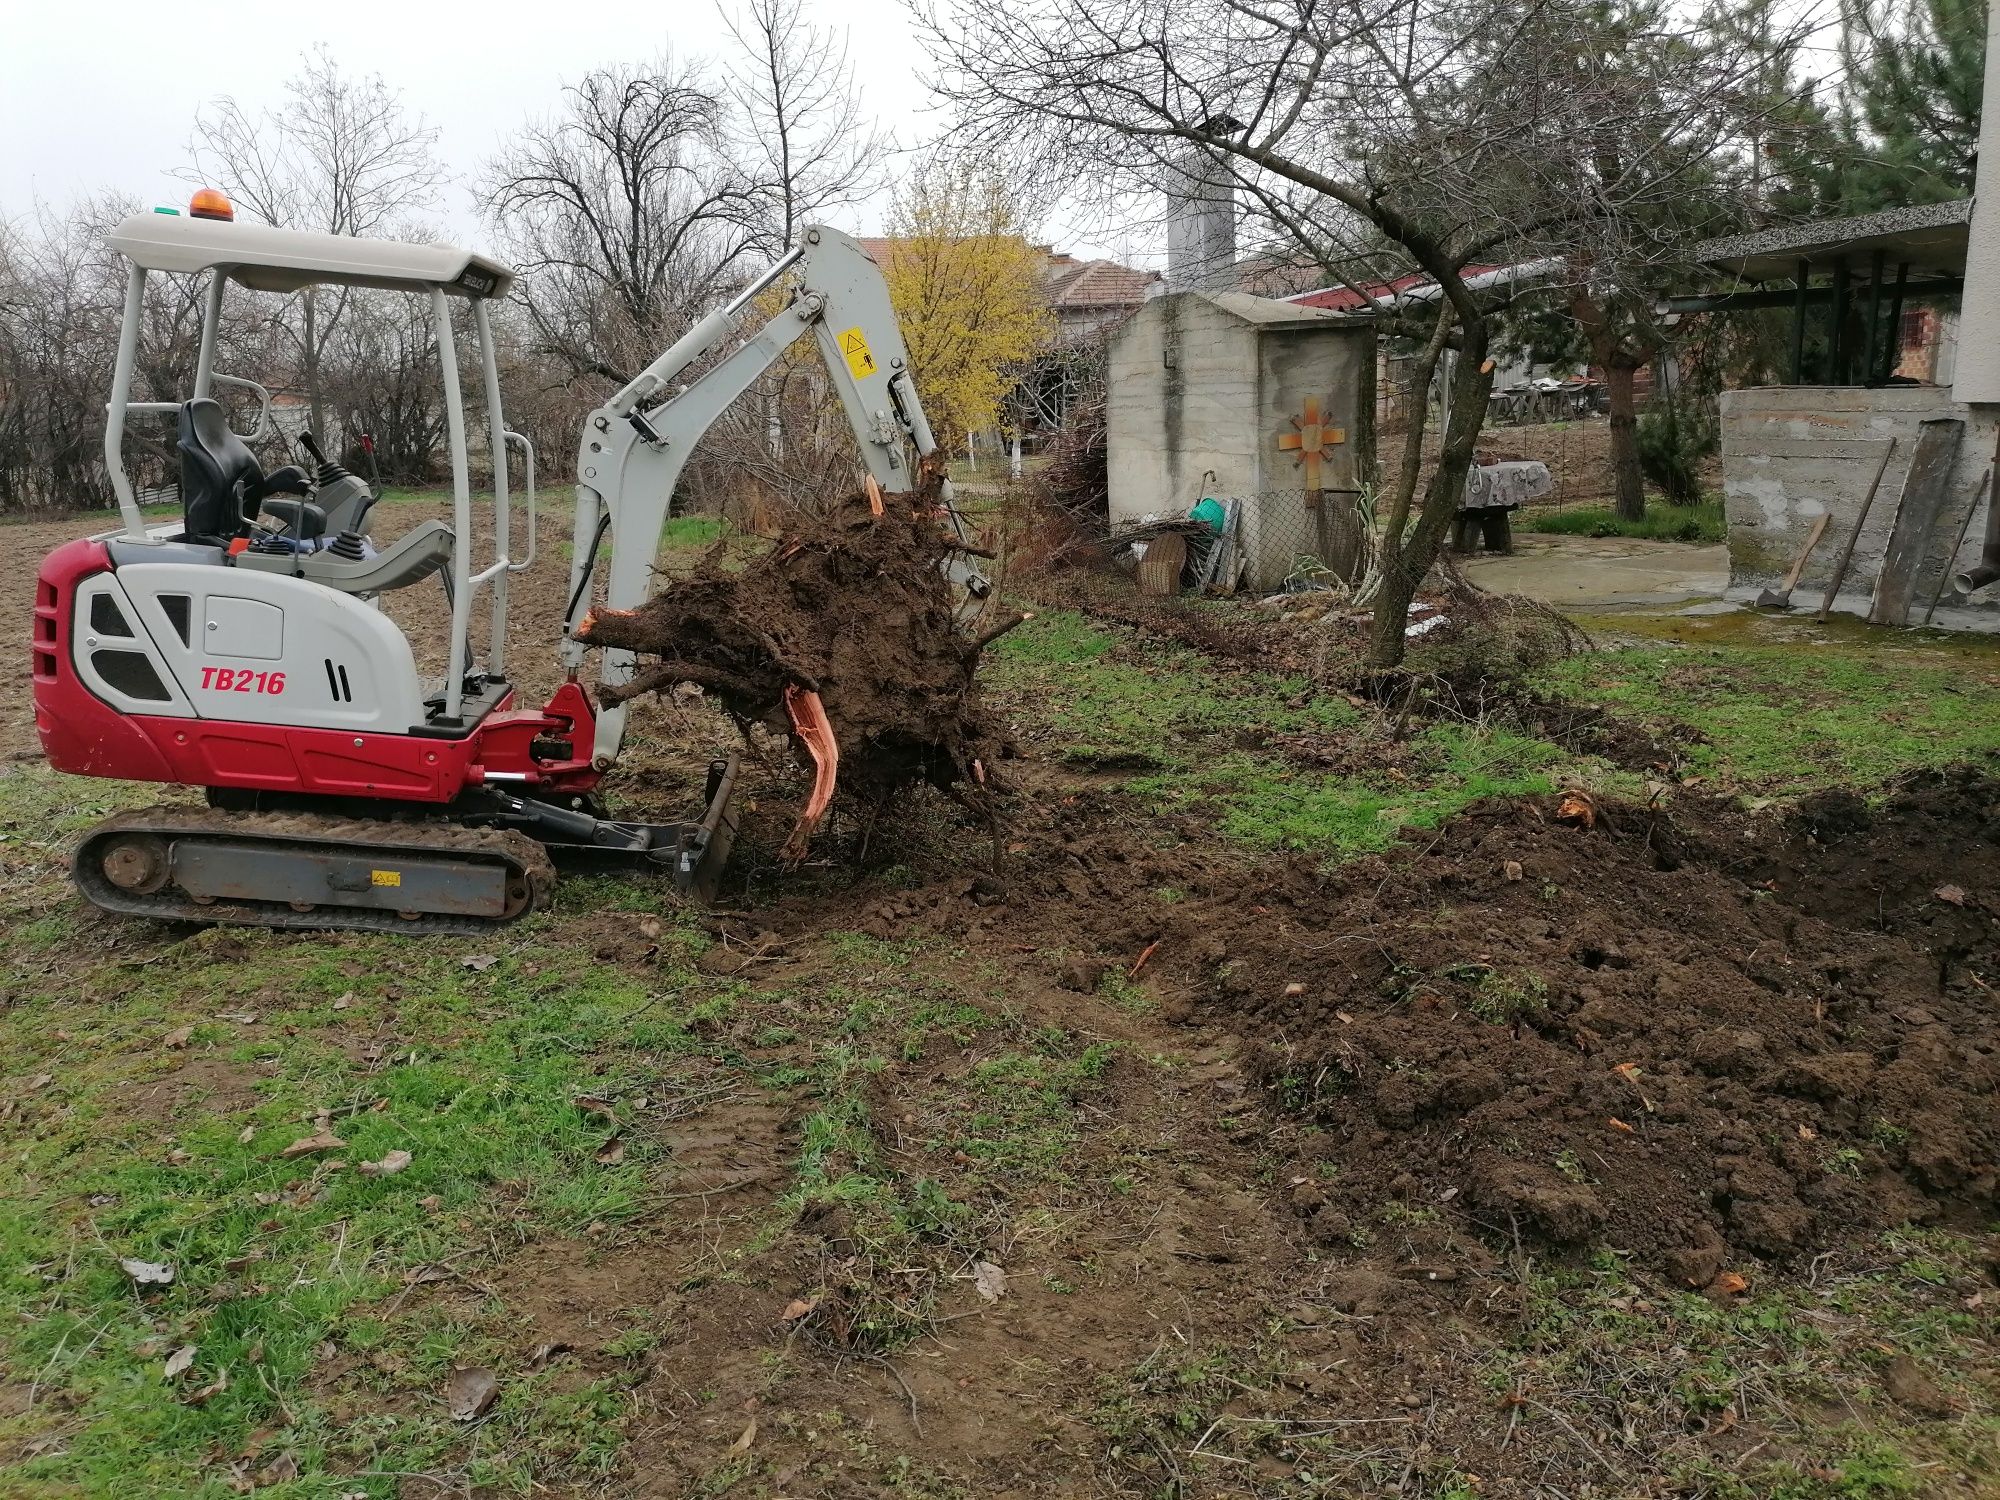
{"points": [[634, 446]]}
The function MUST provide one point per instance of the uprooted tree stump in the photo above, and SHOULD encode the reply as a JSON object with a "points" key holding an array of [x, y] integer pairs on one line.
{"points": [[843, 635]]}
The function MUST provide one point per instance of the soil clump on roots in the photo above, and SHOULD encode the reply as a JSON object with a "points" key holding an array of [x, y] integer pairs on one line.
{"points": [[843, 635]]}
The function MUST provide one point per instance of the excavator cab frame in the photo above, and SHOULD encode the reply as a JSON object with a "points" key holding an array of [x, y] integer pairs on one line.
{"points": [[267, 259]]}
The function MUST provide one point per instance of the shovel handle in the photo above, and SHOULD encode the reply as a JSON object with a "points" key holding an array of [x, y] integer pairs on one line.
{"points": [[1944, 573], [1812, 541], [1847, 552]]}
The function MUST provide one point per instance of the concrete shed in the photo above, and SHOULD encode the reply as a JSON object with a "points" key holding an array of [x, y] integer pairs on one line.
{"points": [[1228, 384], [1795, 453]]}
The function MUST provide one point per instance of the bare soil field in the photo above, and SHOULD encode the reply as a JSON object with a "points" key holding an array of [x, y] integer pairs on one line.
{"points": [[1599, 1098]]}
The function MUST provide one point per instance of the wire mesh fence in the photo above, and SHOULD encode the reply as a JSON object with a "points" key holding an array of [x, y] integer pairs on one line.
{"points": [[1296, 538], [1561, 428]]}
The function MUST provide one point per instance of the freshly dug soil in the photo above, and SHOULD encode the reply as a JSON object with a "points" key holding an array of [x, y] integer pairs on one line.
{"points": [[852, 605], [1694, 1035], [1688, 1048]]}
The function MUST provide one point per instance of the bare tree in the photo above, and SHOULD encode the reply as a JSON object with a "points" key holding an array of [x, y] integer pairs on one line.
{"points": [[799, 118], [656, 190], [1372, 135], [62, 296], [342, 157], [624, 213]]}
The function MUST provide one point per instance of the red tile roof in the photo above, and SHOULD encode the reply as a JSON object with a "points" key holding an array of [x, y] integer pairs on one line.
{"points": [[1097, 283], [1346, 299]]}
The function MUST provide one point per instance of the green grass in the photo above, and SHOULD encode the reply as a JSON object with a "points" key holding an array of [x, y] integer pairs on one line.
{"points": [[277, 1260], [691, 531], [1781, 718], [1793, 718], [1281, 808], [1177, 725], [153, 1128], [1683, 1362], [1662, 522], [1604, 1374]]}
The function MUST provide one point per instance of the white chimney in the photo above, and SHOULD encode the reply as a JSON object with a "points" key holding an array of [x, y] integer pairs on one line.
{"points": [[1977, 378], [1201, 217]]}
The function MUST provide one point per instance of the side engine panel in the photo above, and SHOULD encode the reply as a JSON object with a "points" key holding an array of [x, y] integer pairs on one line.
{"points": [[263, 648]]}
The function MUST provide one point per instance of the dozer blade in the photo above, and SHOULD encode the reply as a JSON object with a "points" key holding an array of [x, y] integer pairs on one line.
{"points": [[305, 870]]}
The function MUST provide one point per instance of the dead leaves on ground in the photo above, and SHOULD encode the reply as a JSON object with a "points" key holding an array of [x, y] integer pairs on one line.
{"points": [[321, 1139], [471, 1392], [1577, 807]]}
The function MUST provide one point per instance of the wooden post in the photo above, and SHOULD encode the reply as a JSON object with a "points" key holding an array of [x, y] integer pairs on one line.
{"points": [[1893, 354], [1837, 346], [1925, 487], [1874, 318], [1847, 552]]}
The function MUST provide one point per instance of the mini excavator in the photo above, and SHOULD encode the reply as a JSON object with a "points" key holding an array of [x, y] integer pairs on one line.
{"points": [[243, 648]]}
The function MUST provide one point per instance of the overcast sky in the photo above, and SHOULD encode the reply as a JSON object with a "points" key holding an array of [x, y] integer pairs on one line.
{"points": [[102, 96]]}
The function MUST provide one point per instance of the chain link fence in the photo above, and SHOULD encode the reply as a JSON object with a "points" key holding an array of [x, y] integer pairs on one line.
{"points": [[1279, 539]]}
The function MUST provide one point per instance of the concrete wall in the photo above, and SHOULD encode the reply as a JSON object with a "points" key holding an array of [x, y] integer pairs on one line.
{"points": [[1793, 453], [1977, 377], [1195, 388], [1181, 399]]}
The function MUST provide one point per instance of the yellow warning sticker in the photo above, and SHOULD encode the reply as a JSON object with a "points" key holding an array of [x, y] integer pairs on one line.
{"points": [[854, 347], [385, 877]]}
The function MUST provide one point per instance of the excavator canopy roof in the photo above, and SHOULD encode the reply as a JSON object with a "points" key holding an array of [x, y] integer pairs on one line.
{"points": [[284, 260]]}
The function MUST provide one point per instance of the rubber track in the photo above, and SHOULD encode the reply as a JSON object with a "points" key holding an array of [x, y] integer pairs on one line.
{"points": [[313, 831]]}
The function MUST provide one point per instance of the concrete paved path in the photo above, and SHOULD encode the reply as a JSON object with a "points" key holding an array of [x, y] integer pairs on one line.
{"points": [[1574, 572]]}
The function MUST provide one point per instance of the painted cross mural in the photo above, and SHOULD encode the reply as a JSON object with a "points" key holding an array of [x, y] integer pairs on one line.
{"points": [[1312, 440]]}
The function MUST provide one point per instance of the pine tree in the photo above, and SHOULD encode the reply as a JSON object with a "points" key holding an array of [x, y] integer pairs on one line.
{"points": [[1909, 106]]}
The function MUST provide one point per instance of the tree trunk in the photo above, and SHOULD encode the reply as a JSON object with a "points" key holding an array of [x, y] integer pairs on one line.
{"points": [[1628, 484], [1404, 566]]}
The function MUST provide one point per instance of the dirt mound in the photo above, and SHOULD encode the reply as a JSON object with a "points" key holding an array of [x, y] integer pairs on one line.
{"points": [[849, 613], [1685, 1048], [1691, 1035]]}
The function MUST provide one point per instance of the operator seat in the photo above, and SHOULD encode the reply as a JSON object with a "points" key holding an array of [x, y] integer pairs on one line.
{"points": [[223, 486], [217, 473]]}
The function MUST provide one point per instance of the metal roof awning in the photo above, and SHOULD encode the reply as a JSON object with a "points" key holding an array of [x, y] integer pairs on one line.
{"points": [[1929, 238], [286, 260]]}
